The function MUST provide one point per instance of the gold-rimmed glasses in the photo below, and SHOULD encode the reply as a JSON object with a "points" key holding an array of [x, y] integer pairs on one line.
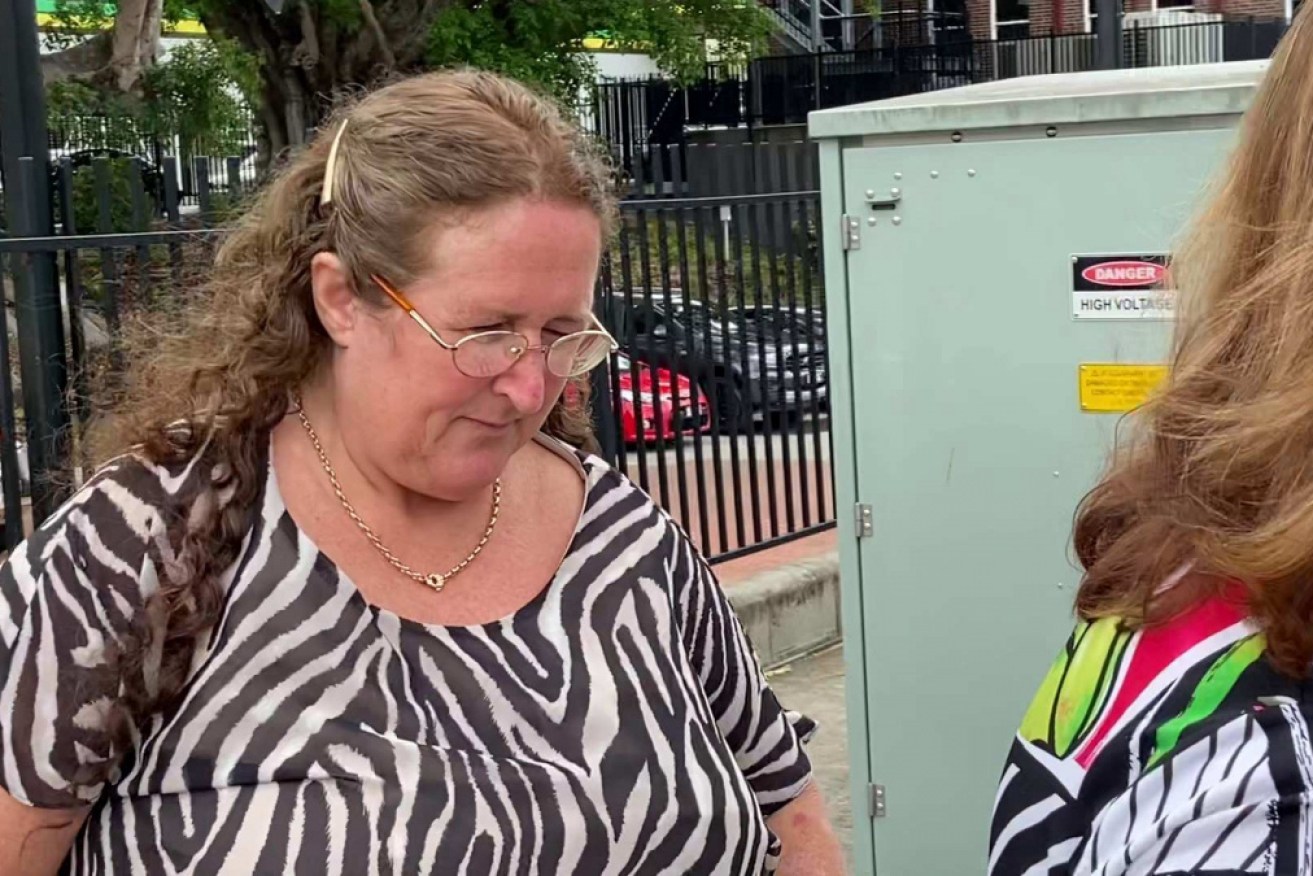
{"points": [[487, 354]]}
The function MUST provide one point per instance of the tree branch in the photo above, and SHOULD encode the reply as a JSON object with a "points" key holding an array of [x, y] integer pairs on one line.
{"points": [[371, 21], [77, 61], [135, 37], [306, 53]]}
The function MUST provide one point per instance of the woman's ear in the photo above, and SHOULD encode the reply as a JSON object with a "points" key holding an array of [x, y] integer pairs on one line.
{"points": [[335, 302]]}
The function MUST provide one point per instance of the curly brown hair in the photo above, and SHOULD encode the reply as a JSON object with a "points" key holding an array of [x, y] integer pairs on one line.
{"points": [[413, 155], [1219, 473]]}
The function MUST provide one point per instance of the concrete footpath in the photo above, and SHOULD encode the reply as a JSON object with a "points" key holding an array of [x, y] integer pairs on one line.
{"points": [[787, 598], [814, 686], [788, 601]]}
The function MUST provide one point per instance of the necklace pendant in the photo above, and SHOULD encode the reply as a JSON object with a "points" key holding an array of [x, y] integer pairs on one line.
{"points": [[436, 582]]}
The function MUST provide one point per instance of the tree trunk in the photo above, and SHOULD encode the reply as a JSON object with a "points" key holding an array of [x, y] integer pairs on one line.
{"points": [[136, 41], [77, 61], [117, 58], [308, 58]]}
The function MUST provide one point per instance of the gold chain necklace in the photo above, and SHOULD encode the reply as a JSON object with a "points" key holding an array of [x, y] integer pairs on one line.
{"points": [[436, 580]]}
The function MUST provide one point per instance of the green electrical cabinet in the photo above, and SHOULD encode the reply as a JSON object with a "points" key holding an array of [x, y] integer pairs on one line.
{"points": [[990, 254]]}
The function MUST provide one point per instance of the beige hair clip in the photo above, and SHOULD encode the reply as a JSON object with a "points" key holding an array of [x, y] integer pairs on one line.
{"points": [[330, 167]]}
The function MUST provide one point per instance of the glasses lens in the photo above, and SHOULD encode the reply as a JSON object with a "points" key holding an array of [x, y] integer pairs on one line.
{"points": [[489, 354], [578, 353]]}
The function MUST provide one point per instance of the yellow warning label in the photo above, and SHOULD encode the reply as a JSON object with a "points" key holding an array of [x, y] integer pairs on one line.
{"points": [[1114, 388]]}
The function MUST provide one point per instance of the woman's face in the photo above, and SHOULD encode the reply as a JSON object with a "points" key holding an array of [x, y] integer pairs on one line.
{"points": [[401, 404]]}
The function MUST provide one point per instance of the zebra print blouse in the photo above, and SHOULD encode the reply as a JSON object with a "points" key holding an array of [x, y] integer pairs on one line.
{"points": [[618, 724]]}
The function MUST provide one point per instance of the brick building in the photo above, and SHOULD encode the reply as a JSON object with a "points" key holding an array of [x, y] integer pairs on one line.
{"points": [[1009, 19]]}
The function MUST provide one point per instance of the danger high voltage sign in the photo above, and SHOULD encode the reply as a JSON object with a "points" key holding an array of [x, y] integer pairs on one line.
{"points": [[1121, 287]]}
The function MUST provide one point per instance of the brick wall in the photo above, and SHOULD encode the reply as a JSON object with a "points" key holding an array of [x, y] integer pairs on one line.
{"points": [[1257, 8], [1057, 16], [1068, 16]]}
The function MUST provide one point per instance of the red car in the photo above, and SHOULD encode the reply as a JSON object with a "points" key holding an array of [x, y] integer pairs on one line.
{"points": [[662, 412]]}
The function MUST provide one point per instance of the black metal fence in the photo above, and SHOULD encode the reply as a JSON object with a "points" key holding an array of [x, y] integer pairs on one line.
{"points": [[1175, 45], [700, 170], [783, 89], [120, 246], [717, 403], [84, 138]]}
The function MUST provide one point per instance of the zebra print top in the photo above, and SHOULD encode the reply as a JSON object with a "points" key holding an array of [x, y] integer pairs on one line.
{"points": [[618, 724]]}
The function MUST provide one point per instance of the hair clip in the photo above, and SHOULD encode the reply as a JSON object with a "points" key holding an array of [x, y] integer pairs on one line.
{"points": [[330, 167]]}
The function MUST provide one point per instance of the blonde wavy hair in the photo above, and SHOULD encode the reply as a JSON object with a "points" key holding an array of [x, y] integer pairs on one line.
{"points": [[1218, 475], [413, 156]]}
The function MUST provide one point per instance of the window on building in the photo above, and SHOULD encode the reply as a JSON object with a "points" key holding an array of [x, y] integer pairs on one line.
{"points": [[1092, 8], [1011, 19]]}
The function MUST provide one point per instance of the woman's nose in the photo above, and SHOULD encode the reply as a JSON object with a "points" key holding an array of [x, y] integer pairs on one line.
{"points": [[524, 383]]}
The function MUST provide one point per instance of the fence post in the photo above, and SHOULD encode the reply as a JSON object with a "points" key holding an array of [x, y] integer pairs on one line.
{"points": [[1109, 31], [40, 342], [22, 96], [23, 133], [816, 81], [599, 380]]}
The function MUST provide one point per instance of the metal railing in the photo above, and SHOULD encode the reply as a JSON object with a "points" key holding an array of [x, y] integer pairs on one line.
{"points": [[908, 57], [717, 405], [119, 245], [83, 138]]}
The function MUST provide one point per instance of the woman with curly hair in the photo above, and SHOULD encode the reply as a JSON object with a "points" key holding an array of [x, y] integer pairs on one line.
{"points": [[351, 600]]}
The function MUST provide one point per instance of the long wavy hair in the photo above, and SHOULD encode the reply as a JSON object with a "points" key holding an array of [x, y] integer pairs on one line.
{"points": [[1218, 474], [412, 156]]}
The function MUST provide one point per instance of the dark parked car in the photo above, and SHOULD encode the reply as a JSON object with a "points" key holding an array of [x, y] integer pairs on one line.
{"points": [[785, 321], [788, 323], [746, 372]]}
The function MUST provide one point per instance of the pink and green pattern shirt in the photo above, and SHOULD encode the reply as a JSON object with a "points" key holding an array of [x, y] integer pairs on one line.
{"points": [[1170, 750]]}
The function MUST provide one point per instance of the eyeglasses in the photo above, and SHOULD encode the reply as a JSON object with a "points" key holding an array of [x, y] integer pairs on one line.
{"points": [[488, 354]]}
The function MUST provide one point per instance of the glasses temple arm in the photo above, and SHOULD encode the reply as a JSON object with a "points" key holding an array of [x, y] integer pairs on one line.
{"points": [[400, 301]]}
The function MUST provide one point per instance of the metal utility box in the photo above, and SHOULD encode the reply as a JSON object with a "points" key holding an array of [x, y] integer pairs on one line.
{"points": [[991, 255]]}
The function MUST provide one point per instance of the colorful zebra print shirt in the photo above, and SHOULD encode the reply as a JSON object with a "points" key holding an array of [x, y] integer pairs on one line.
{"points": [[1173, 750], [618, 724]]}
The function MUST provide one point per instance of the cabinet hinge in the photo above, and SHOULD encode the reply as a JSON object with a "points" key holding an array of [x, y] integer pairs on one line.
{"points": [[875, 799], [864, 518], [851, 234]]}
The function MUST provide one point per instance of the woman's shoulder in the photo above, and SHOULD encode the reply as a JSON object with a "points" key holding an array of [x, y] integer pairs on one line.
{"points": [[138, 490], [615, 507], [112, 518], [607, 483], [1111, 675], [1131, 718]]}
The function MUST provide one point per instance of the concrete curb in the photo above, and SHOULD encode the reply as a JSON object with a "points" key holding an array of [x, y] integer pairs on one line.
{"points": [[792, 610]]}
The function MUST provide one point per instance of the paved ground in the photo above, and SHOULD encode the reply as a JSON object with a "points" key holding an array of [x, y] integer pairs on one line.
{"points": [[814, 686], [745, 568]]}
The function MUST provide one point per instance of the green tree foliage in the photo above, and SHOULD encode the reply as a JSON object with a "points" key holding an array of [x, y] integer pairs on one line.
{"points": [[538, 40], [312, 49], [200, 93]]}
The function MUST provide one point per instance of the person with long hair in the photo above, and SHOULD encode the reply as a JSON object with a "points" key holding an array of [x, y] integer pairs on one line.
{"points": [[1172, 733], [348, 597]]}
